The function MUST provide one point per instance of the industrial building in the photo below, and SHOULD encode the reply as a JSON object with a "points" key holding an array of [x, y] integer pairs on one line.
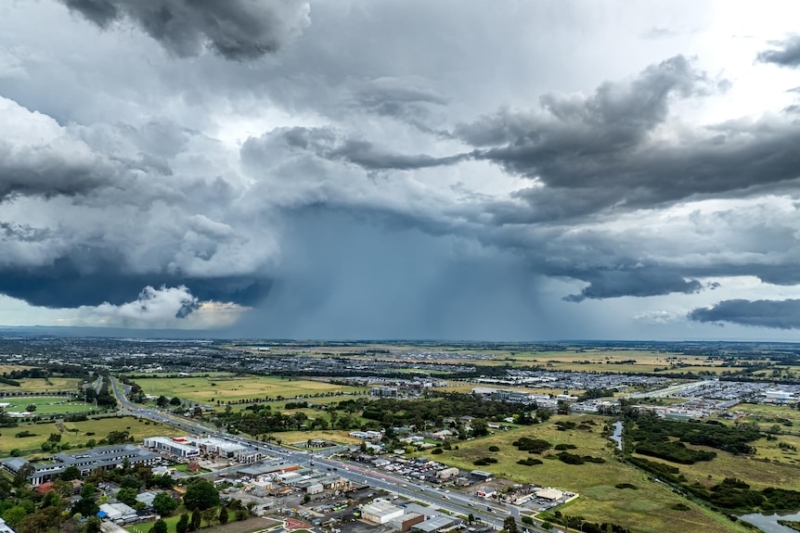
{"points": [[381, 512], [447, 473], [438, 523], [407, 521]]}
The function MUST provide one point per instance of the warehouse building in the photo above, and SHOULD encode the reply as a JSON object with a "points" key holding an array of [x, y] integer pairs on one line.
{"points": [[381, 512]]}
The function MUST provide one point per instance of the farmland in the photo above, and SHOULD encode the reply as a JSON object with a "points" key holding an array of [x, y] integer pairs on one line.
{"points": [[647, 509], [222, 388]]}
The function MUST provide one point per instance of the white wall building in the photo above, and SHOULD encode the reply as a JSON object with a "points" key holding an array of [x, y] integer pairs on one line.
{"points": [[381, 512]]}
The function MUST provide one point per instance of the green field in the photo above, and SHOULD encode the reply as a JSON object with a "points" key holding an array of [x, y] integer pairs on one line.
{"points": [[101, 427], [648, 509], [47, 405], [224, 389], [769, 467], [251, 525]]}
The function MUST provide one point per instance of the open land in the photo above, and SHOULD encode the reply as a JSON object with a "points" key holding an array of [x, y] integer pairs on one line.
{"points": [[649, 507], [52, 384], [96, 429], [232, 388]]}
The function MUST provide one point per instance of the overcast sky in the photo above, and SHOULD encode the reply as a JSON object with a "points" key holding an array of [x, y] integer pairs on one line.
{"points": [[515, 170]]}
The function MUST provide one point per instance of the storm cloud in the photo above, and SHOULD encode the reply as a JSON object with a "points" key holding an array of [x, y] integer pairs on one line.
{"points": [[235, 29], [776, 314], [394, 169], [588, 154]]}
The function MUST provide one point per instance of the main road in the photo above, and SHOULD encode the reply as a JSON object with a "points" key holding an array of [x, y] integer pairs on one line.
{"points": [[456, 503]]}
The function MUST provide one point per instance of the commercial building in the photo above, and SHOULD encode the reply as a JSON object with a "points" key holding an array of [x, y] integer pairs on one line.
{"points": [[407, 521], [549, 494], [779, 396], [434, 525], [118, 512], [381, 512], [447, 473], [226, 448], [173, 447], [105, 458], [384, 392], [481, 475]]}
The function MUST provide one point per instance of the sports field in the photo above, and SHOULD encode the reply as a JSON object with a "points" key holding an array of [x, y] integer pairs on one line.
{"points": [[647, 509], [47, 405], [229, 388]]}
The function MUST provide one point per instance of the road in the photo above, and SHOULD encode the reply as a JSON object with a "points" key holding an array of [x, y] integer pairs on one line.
{"points": [[490, 512]]}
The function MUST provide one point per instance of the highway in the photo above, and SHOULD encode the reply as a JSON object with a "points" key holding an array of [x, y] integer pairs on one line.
{"points": [[458, 503]]}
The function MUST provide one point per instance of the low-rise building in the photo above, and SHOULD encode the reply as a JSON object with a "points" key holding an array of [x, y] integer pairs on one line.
{"points": [[381, 512], [407, 521], [104, 457], [175, 448], [447, 473]]}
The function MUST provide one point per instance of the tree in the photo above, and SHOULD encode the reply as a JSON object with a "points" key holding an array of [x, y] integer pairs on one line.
{"points": [[183, 524], [162, 401], [71, 473], [480, 427], [544, 414], [31, 408], [87, 505], [14, 516], [164, 504], [175, 401], [209, 515], [201, 495], [510, 525], [194, 525], [54, 437], [471, 518], [223, 516], [22, 475], [159, 527], [93, 525], [127, 496]]}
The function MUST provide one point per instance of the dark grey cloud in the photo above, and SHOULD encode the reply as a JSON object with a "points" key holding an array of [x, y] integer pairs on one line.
{"points": [[775, 314], [787, 53], [636, 282], [46, 171], [75, 281], [235, 29], [604, 151]]}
